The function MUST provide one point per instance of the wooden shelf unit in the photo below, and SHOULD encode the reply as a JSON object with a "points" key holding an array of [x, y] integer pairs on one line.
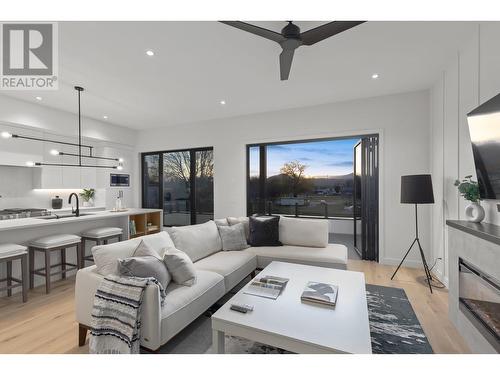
{"points": [[141, 224], [153, 222]]}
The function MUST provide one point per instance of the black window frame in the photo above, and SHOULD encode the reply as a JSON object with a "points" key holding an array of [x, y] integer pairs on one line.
{"points": [[192, 177], [263, 167]]}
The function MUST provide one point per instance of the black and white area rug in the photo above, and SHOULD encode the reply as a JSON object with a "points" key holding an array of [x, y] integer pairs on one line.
{"points": [[394, 329]]}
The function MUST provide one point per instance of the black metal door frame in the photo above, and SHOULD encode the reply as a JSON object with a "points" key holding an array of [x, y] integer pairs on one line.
{"points": [[369, 188]]}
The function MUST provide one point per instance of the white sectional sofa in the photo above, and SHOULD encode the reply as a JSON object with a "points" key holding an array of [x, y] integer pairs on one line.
{"points": [[217, 272]]}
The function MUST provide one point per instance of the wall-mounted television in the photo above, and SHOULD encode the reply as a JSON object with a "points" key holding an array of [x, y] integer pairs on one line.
{"points": [[484, 127]]}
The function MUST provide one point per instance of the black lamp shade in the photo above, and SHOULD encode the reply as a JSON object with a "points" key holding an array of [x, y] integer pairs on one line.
{"points": [[417, 189]]}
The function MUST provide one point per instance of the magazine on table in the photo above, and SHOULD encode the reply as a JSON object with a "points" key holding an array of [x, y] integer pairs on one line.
{"points": [[267, 286], [320, 293]]}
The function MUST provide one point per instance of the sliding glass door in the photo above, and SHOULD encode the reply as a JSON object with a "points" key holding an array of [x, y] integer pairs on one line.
{"points": [[177, 188], [184, 185], [151, 181]]}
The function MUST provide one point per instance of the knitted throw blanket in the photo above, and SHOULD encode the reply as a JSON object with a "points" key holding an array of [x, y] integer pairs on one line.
{"points": [[116, 315]]}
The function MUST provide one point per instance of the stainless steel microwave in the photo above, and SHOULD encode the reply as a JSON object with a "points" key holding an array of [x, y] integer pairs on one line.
{"points": [[119, 179]]}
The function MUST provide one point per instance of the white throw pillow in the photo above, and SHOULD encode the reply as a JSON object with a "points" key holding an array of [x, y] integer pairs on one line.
{"points": [[221, 222], [106, 256], [303, 232], [197, 241], [180, 267], [244, 220]]}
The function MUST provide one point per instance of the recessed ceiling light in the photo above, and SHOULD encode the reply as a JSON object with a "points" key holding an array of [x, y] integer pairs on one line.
{"points": [[105, 117], [120, 160], [30, 163], [6, 135], [375, 76], [150, 53], [38, 97], [54, 152], [222, 102]]}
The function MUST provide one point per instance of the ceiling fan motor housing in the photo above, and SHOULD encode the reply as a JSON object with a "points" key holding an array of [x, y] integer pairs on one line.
{"points": [[291, 31]]}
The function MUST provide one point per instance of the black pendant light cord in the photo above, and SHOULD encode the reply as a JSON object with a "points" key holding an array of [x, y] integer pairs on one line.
{"points": [[79, 89]]}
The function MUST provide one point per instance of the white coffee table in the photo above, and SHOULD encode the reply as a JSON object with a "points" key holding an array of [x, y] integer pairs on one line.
{"points": [[289, 324]]}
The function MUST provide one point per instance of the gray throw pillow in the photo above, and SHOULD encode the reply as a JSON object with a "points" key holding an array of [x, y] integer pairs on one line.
{"points": [[180, 266], [233, 237], [145, 263]]}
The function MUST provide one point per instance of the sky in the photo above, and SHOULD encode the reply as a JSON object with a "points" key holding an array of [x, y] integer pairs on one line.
{"points": [[322, 158]]}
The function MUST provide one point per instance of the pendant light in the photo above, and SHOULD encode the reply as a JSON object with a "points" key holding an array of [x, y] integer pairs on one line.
{"points": [[80, 146]]}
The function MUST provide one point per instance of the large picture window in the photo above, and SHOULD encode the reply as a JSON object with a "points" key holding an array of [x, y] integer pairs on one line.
{"points": [[304, 178], [181, 183]]}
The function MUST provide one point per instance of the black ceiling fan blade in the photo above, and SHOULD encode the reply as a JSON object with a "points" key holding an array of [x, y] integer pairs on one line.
{"points": [[260, 31], [327, 30], [286, 58]]}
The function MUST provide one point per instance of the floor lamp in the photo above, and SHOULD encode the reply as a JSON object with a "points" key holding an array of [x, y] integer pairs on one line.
{"points": [[417, 189]]}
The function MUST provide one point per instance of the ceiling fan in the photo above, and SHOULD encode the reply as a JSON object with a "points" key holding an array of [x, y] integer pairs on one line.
{"points": [[291, 38]]}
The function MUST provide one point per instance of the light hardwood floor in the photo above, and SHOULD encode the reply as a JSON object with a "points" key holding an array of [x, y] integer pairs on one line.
{"points": [[46, 323]]}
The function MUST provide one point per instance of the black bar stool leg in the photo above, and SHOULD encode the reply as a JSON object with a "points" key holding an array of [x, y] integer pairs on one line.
{"points": [[32, 267], [24, 276], [63, 263], [9, 278], [47, 271]]}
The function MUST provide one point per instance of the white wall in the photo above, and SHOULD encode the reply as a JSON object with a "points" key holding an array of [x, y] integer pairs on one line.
{"points": [[401, 120], [35, 120], [471, 78]]}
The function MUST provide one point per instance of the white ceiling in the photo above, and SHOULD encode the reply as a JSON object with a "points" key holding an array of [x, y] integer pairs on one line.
{"points": [[198, 64]]}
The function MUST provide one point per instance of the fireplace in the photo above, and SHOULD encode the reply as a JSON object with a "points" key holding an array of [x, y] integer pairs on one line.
{"points": [[479, 300]]}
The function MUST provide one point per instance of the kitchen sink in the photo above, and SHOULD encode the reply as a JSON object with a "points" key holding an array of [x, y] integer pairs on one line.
{"points": [[56, 217]]}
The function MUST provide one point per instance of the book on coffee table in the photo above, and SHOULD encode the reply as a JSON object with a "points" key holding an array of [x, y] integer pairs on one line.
{"points": [[267, 286], [320, 293]]}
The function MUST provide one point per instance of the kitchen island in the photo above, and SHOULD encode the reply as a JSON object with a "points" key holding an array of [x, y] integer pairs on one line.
{"points": [[22, 231]]}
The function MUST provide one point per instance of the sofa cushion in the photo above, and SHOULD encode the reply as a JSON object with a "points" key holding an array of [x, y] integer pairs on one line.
{"points": [[264, 231], [197, 241], [106, 256], [183, 304], [303, 232], [233, 265], [244, 220], [180, 267], [233, 237], [332, 256]]}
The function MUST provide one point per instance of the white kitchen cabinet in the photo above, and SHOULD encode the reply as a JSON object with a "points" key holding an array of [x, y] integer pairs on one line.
{"points": [[71, 178], [47, 177], [88, 178]]}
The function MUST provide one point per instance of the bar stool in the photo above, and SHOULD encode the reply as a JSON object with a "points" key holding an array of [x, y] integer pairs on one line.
{"points": [[100, 236], [8, 253], [46, 245]]}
